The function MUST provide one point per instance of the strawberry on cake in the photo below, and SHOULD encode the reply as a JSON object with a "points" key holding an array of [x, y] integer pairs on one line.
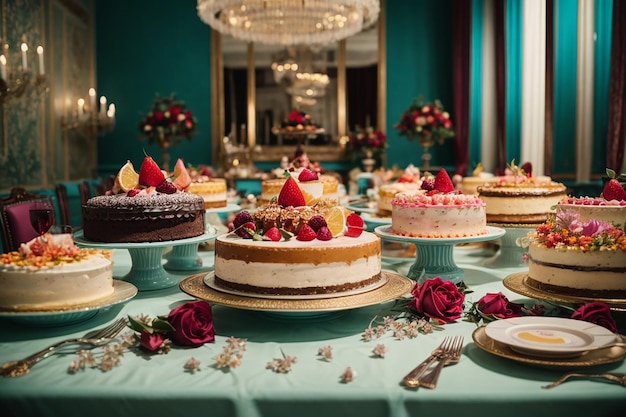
{"points": [[440, 212], [144, 207], [294, 249]]}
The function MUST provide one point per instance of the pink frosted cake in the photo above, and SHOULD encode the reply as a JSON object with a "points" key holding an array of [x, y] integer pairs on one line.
{"points": [[440, 212], [612, 211]]}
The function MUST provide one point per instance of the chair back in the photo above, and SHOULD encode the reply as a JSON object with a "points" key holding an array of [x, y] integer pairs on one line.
{"points": [[15, 217], [70, 201]]}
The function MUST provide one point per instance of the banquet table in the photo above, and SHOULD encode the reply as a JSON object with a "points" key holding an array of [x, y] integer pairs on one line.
{"points": [[158, 385]]}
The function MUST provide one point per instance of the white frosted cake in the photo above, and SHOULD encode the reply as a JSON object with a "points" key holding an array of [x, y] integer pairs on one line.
{"points": [[571, 256], [212, 191], [612, 211], [418, 214], [326, 187], [297, 268], [51, 272], [387, 192]]}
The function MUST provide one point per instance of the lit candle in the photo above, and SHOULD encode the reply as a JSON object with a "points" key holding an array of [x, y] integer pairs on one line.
{"points": [[92, 100], [3, 67], [24, 50], [40, 53], [81, 107], [103, 105], [111, 112]]}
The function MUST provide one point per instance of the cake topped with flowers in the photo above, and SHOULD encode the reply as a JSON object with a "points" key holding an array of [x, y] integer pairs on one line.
{"points": [[50, 271], [295, 248]]}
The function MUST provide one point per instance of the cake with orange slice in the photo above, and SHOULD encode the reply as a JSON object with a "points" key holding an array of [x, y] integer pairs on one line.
{"points": [[145, 207], [438, 211], [289, 248]]}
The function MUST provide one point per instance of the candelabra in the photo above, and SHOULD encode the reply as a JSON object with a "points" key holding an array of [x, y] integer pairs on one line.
{"points": [[16, 83], [89, 120]]}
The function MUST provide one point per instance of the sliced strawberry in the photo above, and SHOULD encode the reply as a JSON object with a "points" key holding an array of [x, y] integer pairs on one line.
{"points": [[290, 194], [307, 175], [150, 175], [182, 179], [443, 183], [273, 234], [166, 187], [306, 233], [355, 224]]}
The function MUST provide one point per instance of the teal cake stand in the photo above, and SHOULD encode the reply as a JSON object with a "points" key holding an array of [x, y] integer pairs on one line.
{"points": [[434, 256], [147, 272]]}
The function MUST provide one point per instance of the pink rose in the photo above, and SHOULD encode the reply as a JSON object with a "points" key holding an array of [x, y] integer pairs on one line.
{"points": [[596, 313], [438, 299], [193, 324], [497, 305], [151, 341]]}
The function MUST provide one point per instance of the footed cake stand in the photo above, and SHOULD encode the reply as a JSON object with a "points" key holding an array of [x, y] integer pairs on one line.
{"points": [[146, 272], [185, 257], [510, 255], [434, 256]]}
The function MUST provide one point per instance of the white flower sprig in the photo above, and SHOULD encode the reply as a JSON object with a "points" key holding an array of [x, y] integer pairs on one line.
{"points": [[400, 326], [379, 350], [347, 376], [232, 353], [325, 352], [109, 359], [282, 365]]}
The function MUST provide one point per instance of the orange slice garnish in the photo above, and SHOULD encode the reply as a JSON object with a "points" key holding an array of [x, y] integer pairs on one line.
{"points": [[127, 178]]}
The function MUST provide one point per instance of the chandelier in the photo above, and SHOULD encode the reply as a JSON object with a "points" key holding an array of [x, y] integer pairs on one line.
{"points": [[289, 22]]}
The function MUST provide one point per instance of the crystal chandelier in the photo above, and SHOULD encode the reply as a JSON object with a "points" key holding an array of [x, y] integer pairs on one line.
{"points": [[289, 22]]}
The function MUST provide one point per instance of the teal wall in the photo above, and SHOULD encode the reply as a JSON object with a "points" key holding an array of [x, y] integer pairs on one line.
{"points": [[144, 48], [419, 62]]}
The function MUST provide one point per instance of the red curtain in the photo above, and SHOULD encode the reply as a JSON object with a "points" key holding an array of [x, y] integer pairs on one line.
{"points": [[461, 38], [500, 87], [617, 90]]}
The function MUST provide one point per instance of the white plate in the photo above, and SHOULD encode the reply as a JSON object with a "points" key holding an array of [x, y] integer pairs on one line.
{"points": [[549, 336], [373, 220]]}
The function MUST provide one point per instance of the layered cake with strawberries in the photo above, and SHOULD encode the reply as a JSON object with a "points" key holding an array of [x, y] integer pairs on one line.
{"points": [[410, 180], [51, 272], [144, 207], [441, 212], [581, 250], [314, 186], [520, 198], [290, 248], [212, 190]]}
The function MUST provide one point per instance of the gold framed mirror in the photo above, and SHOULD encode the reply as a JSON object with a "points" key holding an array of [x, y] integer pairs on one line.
{"points": [[247, 132]]}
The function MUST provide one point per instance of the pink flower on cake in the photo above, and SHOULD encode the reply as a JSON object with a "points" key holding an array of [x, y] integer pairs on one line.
{"points": [[596, 313], [193, 324], [438, 299]]}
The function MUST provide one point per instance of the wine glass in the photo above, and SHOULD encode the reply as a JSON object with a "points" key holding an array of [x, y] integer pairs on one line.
{"points": [[41, 217]]}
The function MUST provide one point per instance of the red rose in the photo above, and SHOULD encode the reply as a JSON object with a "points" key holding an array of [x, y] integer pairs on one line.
{"points": [[193, 324], [438, 299], [497, 305], [596, 313], [151, 341]]}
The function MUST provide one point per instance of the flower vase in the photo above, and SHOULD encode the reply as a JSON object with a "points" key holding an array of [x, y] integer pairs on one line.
{"points": [[426, 156], [368, 162]]}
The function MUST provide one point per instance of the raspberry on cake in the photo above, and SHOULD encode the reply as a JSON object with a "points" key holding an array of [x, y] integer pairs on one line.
{"points": [[51, 272], [439, 213]]}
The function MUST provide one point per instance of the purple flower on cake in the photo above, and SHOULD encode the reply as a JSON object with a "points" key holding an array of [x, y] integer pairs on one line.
{"points": [[438, 299], [596, 313]]}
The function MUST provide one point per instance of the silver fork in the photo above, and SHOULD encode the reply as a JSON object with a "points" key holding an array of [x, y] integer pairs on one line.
{"points": [[93, 338], [411, 379], [614, 377], [448, 356]]}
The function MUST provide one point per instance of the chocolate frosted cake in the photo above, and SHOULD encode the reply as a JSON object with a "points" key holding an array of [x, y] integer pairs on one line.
{"points": [[151, 217]]}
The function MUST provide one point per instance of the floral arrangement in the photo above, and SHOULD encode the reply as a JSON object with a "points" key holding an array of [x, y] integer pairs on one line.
{"points": [[368, 140], [495, 306], [298, 120], [428, 122], [168, 122], [567, 232]]}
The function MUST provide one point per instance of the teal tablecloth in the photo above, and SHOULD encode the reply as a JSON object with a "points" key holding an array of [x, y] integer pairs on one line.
{"points": [[480, 384]]}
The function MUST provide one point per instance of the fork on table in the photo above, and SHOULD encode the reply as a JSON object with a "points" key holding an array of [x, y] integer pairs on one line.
{"points": [[413, 378], [448, 356], [93, 338]]}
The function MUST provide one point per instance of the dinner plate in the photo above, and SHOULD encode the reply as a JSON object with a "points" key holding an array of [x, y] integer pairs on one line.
{"points": [[71, 313], [395, 287], [362, 206], [593, 358], [550, 337], [373, 220]]}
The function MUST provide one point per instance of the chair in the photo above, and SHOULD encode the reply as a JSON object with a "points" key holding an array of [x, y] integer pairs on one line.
{"points": [[14, 213], [71, 201]]}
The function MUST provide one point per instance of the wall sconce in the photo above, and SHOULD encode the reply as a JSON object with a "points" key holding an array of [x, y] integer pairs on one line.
{"points": [[89, 120], [15, 83]]}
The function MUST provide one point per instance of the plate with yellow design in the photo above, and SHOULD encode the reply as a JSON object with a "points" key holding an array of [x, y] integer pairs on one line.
{"points": [[553, 337]]}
